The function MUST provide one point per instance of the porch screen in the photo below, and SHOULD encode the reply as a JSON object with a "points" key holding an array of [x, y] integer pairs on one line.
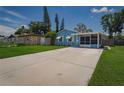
{"points": [[82, 40], [93, 39], [85, 40], [88, 40]]}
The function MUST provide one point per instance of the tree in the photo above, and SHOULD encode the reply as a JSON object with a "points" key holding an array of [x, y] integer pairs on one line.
{"points": [[57, 23], [62, 25], [113, 23], [21, 30], [81, 28], [38, 28], [107, 23], [117, 23], [47, 19], [89, 30], [122, 15], [52, 36]]}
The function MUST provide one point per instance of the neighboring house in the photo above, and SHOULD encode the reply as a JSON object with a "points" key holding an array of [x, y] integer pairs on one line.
{"points": [[64, 37], [11, 39], [32, 39], [76, 39]]}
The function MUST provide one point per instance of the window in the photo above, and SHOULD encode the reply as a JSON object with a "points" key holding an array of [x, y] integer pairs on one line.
{"points": [[70, 39], [60, 39]]}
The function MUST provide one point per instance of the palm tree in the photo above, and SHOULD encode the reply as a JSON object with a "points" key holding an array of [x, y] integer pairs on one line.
{"points": [[89, 30], [80, 28]]}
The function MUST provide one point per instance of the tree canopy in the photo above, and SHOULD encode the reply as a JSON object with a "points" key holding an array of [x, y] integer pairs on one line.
{"points": [[113, 22], [57, 23], [38, 28], [62, 25], [47, 19], [34, 28], [22, 30], [80, 27]]}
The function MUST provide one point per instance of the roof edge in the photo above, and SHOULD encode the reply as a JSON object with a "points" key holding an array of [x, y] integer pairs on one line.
{"points": [[67, 30]]}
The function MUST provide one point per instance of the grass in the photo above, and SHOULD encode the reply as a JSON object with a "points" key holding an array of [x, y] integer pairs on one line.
{"points": [[110, 68], [6, 52], [5, 44]]}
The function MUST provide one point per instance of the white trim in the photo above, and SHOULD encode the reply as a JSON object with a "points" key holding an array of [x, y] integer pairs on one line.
{"points": [[68, 37], [85, 45]]}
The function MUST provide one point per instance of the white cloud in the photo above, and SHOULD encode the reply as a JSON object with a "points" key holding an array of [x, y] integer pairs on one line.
{"points": [[26, 26], [103, 9], [13, 13], [5, 30], [7, 19]]}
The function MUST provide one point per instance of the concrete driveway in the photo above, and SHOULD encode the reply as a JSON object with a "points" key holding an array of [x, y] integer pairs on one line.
{"points": [[67, 66]]}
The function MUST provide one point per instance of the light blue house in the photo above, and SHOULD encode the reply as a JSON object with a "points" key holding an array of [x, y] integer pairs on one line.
{"points": [[76, 39]]}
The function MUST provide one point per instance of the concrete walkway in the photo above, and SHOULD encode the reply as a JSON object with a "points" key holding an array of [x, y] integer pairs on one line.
{"points": [[67, 66]]}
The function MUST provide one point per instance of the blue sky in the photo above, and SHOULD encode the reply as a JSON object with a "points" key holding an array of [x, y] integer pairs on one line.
{"points": [[12, 17]]}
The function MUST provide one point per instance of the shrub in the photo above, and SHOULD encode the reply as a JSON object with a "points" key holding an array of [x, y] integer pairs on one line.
{"points": [[51, 35]]}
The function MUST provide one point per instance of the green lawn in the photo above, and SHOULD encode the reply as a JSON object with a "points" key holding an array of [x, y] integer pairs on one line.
{"points": [[110, 68], [6, 52]]}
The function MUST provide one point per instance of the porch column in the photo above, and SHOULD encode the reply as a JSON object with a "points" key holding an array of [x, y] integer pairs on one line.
{"points": [[98, 40], [90, 39]]}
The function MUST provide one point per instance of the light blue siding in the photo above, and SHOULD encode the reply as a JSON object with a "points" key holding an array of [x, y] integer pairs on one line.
{"points": [[76, 41], [93, 45], [64, 34]]}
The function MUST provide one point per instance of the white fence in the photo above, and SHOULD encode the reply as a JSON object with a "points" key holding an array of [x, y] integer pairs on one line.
{"points": [[45, 41]]}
